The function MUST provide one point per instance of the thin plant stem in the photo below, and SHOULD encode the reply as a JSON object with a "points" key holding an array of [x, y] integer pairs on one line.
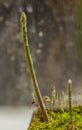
{"points": [[54, 99], [70, 99], [31, 68]]}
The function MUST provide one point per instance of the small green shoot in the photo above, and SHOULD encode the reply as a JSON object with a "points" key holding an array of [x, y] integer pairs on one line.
{"points": [[31, 68], [70, 98], [70, 102]]}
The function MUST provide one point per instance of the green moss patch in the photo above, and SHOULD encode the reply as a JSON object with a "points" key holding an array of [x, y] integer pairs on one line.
{"points": [[59, 120]]}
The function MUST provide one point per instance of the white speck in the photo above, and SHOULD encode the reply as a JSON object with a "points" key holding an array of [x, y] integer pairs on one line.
{"points": [[19, 38], [6, 4], [61, 28], [40, 34], [12, 58], [9, 51], [70, 81], [38, 51], [23, 65], [29, 8], [8, 23], [41, 22]]}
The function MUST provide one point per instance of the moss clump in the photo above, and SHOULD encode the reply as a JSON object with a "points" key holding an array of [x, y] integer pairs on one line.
{"points": [[60, 120]]}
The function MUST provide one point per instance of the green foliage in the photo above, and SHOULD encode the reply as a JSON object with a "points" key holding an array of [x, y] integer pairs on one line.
{"points": [[59, 120], [58, 100]]}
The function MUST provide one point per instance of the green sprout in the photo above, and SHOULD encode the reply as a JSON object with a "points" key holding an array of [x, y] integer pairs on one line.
{"points": [[31, 68], [55, 99], [70, 98]]}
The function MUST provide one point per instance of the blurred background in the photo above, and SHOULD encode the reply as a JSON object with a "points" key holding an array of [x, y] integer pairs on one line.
{"points": [[55, 39]]}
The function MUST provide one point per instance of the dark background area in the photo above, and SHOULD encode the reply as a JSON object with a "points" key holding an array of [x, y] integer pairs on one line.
{"points": [[54, 36]]}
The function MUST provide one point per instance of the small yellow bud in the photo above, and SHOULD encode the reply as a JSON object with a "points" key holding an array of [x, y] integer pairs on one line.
{"points": [[69, 81], [47, 99], [23, 18]]}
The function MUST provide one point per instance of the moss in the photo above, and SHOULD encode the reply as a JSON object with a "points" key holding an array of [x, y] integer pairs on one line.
{"points": [[59, 120]]}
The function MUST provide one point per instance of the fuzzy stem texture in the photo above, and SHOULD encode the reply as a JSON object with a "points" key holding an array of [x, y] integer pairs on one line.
{"points": [[31, 68]]}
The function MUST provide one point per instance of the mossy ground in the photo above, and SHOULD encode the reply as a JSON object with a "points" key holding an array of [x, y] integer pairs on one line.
{"points": [[59, 120]]}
